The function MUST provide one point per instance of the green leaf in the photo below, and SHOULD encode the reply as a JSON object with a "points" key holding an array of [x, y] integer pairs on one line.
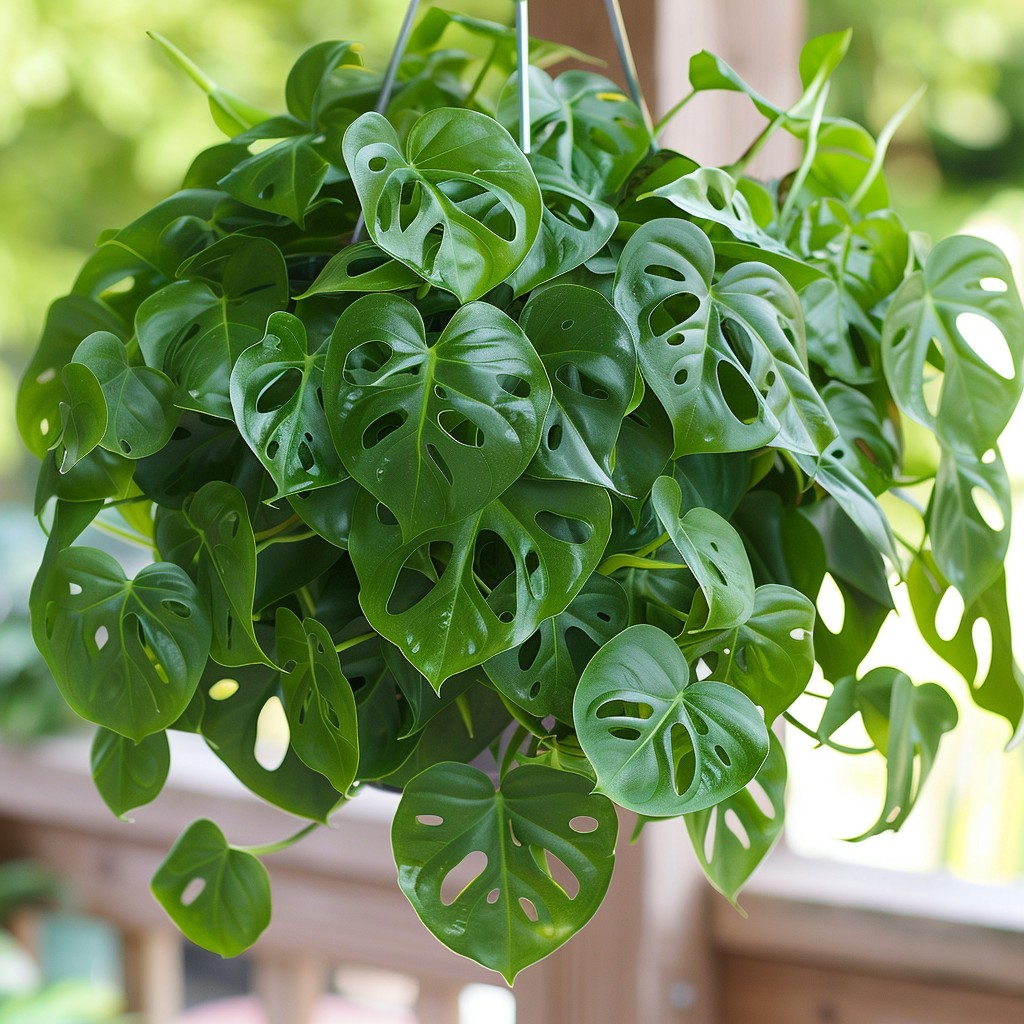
{"points": [[427, 598], [541, 674], [308, 90], [126, 654], [714, 554], [195, 330], [129, 774], [959, 318], [709, 72], [462, 206], [643, 448], [318, 700], [328, 510], [140, 413], [588, 354], [434, 432], [732, 838], [219, 896], [98, 475], [726, 362], [661, 745], [539, 830], [211, 538], [362, 267], [276, 395], [83, 417], [867, 443]]}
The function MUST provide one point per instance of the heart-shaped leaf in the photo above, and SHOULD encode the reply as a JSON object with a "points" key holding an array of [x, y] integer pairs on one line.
{"points": [[714, 553], [317, 700], [83, 417], [211, 537], [588, 354], [732, 838], [661, 745], [527, 866], [362, 267], [434, 432], [140, 400], [277, 399], [128, 774], [195, 330], [217, 895], [126, 654], [727, 362], [427, 597]]}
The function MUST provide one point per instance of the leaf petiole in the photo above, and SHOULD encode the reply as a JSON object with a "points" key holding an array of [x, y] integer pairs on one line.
{"points": [[281, 844], [354, 641], [838, 747]]}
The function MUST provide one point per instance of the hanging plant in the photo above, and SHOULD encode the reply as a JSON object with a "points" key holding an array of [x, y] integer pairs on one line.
{"points": [[513, 470]]}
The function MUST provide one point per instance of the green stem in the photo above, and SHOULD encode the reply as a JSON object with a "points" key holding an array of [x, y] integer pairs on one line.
{"points": [[649, 549], [307, 602], [125, 535], [512, 749], [810, 154], [807, 731], [475, 87], [292, 538], [664, 122], [530, 724], [354, 642], [134, 500], [273, 531], [281, 844]]}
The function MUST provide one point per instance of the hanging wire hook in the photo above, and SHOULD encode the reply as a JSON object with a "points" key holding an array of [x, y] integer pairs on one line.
{"points": [[523, 66], [618, 27]]}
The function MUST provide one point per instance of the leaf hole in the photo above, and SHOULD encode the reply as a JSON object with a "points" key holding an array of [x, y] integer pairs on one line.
{"points": [[272, 735], [529, 909], [622, 732], [223, 689], [723, 755], [567, 324], [554, 437], [363, 364], [716, 199], [665, 273], [799, 634], [625, 709], [987, 342], [684, 758], [831, 605], [462, 876], [177, 608], [988, 508], [440, 394], [562, 875], [385, 516], [700, 725], [439, 460], [512, 834], [100, 638], [192, 891], [74, 589], [709, 835], [492, 558], [681, 376], [279, 392], [125, 446], [893, 815], [702, 670], [740, 396], [515, 386], [536, 576], [564, 528], [535, 690], [584, 824], [267, 192], [981, 638], [506, 616], [673, 312], [732, 822], [581, 647], [273, 448], [413, 584], [528, 652], [572, 377], [430, 820], [493, 896], [949, 614], [604, 616], [382, 427], [376, 164], [760, 797], [460, 428]]}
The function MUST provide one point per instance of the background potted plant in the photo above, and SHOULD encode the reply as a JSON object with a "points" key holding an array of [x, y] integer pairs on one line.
{"points": [[547, 470]]}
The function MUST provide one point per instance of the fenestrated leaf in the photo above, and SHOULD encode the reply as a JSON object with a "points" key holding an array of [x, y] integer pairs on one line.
{"points": [[424, 596], [211, 537], [195, 330], [588, 354], [518, 907], [541, 674], [741, 830], [128, 774], [661, 745], [126, 654], [434, 432], [140, 413], [317, 700], [964, 303], [328, 510], [83, 417], [277, 399], [714, 553], [461, 207], [217, 895], [1001, 689], [867, 444], [726, 362], [642, 449], [769, 657], [362, 267]]}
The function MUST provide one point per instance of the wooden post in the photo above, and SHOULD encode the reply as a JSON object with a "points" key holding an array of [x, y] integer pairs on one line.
{"points": [[288, 989], [154, 974], [438, 1002]]}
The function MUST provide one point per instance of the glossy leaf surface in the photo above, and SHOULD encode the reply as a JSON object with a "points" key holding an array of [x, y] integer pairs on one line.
{"points": [[128, 774]]}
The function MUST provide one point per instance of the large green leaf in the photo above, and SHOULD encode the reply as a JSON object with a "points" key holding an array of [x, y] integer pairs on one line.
{"points": [[929, 332], [661, 745], [128, 774], [548, 847], [211, 537], [140, 413], [461, 206], [276, 395], [427, 598], [317, 700], [728, 361], [195, 330], [217, 895], [732, 838], [769, 657], [541, 674], [126, 654], [434, 432], [83, 417], [588, 354], [714, 553], [362, 267]]}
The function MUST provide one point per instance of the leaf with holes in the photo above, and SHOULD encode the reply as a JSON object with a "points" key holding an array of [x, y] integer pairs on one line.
{"points": [[83, 417], [541, 674], [140, 400], [219, 896], [318, 700], [769, 657], [642, 451], [128, 774], [427, 598], [212, 539], [662, 745], [434, 432], [588, 354], [714, 553], [461, 206], [362, 267], [277, 399], [503, 877], [958, 324], [732, 838], [126, 654], [194, 330], [728, 362]]}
